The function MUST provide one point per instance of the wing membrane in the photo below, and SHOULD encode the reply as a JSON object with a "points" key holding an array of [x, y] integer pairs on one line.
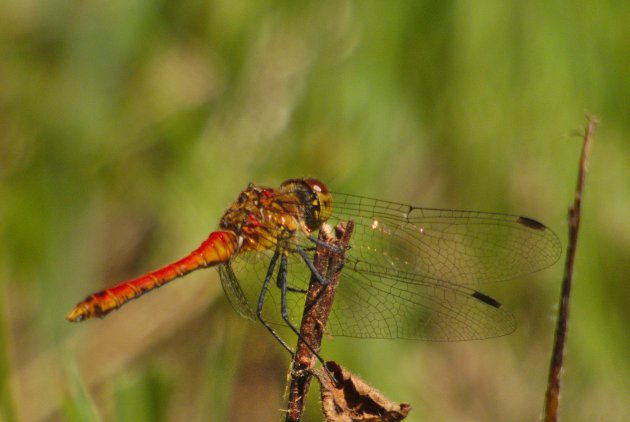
{"points": [[409, 273], [463, 247]]}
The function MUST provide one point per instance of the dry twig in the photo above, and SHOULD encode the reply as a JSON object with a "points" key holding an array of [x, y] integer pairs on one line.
{"points": [[319, 300], [553, 383]]}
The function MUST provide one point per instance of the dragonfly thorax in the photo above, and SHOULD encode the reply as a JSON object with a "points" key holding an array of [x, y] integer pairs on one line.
{"points": [[262, 217]]}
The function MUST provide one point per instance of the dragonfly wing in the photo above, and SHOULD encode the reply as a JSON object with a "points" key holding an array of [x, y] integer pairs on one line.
{"points": [[463, 247], [242, 282], [235, 293], [372, 301], [376, 302], [409, 272]]}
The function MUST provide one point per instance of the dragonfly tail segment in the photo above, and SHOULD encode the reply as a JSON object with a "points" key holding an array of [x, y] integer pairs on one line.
{"points": [[217, 249]]}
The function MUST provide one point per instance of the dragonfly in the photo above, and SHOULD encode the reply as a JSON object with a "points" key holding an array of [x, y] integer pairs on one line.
{"points": [[409, 272]]}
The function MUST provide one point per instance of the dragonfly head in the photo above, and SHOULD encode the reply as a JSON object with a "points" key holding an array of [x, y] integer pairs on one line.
{"points": [[324, 202], [314, 196]]}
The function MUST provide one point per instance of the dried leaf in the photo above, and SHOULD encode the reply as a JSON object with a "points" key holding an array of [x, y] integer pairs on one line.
{"points": [[351, 399]]}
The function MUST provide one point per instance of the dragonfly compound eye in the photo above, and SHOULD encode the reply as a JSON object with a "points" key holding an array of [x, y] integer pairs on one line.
{"points": [[322, 199]]}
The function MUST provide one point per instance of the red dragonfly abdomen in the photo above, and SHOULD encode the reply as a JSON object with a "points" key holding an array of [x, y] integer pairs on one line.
{"points": [[217, 249]]}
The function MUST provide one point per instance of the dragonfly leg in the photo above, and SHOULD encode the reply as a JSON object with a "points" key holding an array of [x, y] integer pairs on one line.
{"points": [[324, 244], [261, 302], [291, 289], [311, 266], [296, 290], [282, 282]]}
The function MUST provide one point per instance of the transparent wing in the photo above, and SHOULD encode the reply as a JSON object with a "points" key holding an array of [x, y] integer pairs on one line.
{"points": [[462, 247], [374, 303], [409, 271], [242, 280]]}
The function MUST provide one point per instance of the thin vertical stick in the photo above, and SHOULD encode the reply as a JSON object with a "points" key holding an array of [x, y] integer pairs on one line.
{"points": [[555, 367], [319, 300]]}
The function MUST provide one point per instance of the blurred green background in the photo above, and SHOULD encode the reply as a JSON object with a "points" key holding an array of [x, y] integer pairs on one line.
{"points": [[126, 127]]}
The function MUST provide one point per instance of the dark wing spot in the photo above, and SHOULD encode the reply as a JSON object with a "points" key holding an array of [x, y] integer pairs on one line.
{"points": [[532, 224], [486, 299]]}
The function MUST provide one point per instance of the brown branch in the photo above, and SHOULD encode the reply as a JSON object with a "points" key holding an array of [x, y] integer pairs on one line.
{"points": [[555, 367], [319, 300]]}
